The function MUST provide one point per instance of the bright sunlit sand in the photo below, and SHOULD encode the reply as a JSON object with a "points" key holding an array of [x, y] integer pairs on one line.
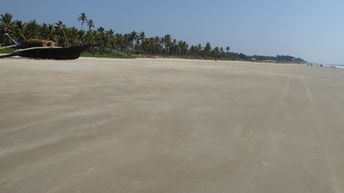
{"points": [[168, 125]]}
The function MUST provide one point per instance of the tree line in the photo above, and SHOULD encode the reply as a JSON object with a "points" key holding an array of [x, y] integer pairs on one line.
{"points": [[108, 42]]}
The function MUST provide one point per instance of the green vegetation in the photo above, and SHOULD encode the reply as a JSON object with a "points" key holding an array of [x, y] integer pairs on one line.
{"points": [[5, 51], [108, 54], [107, 43]]}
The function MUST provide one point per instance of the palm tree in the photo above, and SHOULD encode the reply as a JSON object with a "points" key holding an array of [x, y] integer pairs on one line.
{"points": [[221, 50], [139, 43], [60, 26], [193, 50], [174, 47], [157, 48], [32, 29], [207, 49], [126, 42], [90, 24], [101, 37], [6, 22], [74, 35], [118, 39], [82, 18], [51, 33], [183, 47], [81, 35], [44, 30], [167, 43], [215, 53], [142, 36], [6, 25], [132, 38], [90, 37], [228, 48], [19, 30]]}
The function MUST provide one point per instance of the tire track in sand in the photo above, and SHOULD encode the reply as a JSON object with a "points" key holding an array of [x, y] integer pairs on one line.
{"points": [[247, 185], [315, 116]]}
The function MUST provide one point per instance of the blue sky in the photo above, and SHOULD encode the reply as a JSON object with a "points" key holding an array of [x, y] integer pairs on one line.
{"points": [[312, 29]]}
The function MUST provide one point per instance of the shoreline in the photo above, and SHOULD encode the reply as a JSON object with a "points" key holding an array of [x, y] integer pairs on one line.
{"points": [[169, 58], [192, 59]]}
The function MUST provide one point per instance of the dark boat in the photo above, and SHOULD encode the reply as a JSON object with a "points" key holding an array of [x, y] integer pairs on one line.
{"points": [[44, 49], [56, 53], [69, 53]]}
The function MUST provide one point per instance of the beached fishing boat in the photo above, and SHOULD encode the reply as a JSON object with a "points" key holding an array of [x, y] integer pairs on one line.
{"points": [[43, 49], [56, 53]]}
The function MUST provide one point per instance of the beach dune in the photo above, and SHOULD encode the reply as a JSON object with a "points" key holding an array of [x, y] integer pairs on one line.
{"points": [[170, 125]]}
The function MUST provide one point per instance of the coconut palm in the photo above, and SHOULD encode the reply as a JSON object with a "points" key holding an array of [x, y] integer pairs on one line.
{"points": [[222, 50], [82, 18], [32, 29], [6, 26], [90, 37], [207, 50], [60, 27], [228, 48], [74, 35], [118, 39], [51, 33], [167, 44], [110, 38], [44, 31], [183, 46], [6, 23], [139, 41], [90, 24], [19, 30], [132, 38], [101, 37], [142, 36]]}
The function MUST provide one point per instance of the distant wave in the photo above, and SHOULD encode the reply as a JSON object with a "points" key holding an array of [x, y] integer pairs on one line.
{"points": [[340, 66]]}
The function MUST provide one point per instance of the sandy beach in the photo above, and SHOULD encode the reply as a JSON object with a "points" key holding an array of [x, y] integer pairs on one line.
{"points": [[170, 126]]}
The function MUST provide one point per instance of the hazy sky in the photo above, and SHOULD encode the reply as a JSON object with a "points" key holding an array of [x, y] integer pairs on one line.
{"points": [[311, 29]]}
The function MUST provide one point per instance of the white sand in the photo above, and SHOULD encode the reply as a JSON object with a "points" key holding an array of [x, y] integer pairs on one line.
{"points": [[170, 126]]}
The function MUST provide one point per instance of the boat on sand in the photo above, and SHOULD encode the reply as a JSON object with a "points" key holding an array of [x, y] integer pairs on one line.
{"points": [[56, 53], [44, 49]]}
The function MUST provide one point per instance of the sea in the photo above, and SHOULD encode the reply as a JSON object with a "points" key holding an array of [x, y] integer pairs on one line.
{"points": [[339, 66]]}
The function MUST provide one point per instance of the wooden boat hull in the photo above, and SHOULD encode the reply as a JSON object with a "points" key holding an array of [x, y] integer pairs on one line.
{"points": [[70, 53]]}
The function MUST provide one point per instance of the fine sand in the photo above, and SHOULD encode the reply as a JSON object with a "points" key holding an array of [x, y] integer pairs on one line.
{"points": [[170, 126]]}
